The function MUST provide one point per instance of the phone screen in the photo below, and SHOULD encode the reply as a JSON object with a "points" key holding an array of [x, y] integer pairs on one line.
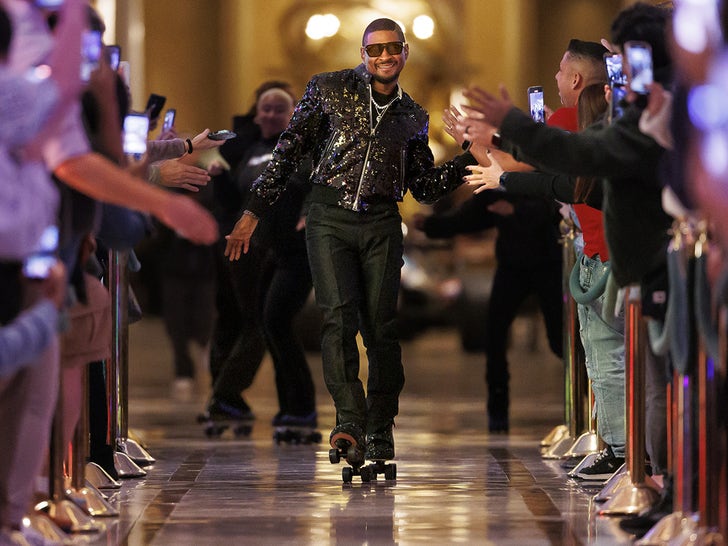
{"points": [[90, 53], [48, 3], [136, 132], [169, 119], [114, 53], [535, 103], [615, 74], [639, 59], [39, 263]]}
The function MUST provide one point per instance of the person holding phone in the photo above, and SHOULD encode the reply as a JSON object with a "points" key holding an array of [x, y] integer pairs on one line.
{"points": [[636, 226], [62, 149]]}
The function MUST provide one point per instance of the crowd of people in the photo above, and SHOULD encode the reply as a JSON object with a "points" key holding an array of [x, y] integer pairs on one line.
{"points": [[307, 198]]}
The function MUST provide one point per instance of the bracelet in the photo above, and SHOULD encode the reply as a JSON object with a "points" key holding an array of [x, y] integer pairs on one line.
{"points": [[189, 145], [466, 145], [246, 212]]}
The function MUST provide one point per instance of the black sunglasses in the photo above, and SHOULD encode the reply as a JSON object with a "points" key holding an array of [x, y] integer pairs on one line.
{"points": [[393, 48]]}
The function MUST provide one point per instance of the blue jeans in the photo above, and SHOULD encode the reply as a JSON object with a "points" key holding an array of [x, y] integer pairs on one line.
{"points": [[603, 343], [356, 259]]}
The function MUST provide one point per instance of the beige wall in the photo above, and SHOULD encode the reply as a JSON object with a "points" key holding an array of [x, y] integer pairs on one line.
{"points": [[207, 56]]}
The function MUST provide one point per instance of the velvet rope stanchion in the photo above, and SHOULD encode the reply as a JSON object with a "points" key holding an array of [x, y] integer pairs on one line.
{"points": [[65, 513], [85, 495], [562, 437], [642, 493], [117, 372]]}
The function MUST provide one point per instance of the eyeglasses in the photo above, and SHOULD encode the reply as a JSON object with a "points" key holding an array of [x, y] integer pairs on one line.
{"points": [[393, 48]]}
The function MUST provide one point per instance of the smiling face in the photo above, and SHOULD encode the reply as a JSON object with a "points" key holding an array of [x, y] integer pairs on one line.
{"points": [[273, 112], [385, 68]]}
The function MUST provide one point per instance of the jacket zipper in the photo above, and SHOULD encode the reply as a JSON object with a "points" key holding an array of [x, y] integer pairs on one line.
{"points": [[373, 130]]}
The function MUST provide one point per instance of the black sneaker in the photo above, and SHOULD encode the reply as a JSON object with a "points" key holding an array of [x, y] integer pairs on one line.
{"points": [[380, 445], [603, 466]]}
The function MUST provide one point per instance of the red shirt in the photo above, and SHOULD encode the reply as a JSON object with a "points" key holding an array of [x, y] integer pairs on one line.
{"points": [[590, 219]]}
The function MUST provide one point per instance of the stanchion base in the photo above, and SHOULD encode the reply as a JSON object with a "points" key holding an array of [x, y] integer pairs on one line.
{"points": [[74, 519], [630, 500], [99, 478], [135, 452], [674, 528], [619, 480], [44, 525], [558, 450], [92, 502], [584, 445], [125, 467], [587, 460], [557, 434]]}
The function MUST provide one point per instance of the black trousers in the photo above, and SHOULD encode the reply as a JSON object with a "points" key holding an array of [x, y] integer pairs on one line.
{"points": [[511, 287]]}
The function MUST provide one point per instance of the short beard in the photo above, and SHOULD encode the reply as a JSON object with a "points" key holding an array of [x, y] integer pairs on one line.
{"points": [[390, 79]]}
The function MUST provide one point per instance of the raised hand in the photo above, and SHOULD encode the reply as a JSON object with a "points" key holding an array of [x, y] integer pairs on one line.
{"points": [[484, 178], [175, 174]]}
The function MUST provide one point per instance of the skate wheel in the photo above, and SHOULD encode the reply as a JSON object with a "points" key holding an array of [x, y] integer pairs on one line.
{"points": [[367, 474], [347, 474], [242, 431], [390, 472], [334, 457], [213, 431]]}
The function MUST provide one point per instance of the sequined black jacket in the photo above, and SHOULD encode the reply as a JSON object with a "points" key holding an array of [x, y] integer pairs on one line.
{"points": [[364, 160]]}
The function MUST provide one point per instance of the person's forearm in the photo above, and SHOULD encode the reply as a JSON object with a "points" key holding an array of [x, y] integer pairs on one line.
{"points": [[538, 184], [159, 150], [97, 177], [595, 151], [24, 339]]}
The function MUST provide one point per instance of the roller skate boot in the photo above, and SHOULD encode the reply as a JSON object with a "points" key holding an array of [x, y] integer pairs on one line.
{"points": [[296, 429], [221, 415]]}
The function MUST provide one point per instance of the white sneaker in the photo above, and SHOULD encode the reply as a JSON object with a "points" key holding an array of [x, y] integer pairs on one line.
{"points": [[183, 389]]}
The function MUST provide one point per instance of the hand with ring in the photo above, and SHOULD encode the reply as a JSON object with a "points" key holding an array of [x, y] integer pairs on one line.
{"points": [[451, 118]]}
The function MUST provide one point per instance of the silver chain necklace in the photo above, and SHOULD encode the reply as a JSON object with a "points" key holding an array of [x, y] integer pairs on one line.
{"points": [[380, 109]]}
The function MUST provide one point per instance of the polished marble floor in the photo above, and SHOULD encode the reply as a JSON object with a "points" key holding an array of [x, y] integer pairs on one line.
{"points": [[456, 484]]}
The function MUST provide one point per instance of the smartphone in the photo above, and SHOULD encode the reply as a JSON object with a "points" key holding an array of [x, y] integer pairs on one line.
{"points": [[113, 53], [616, 108], [535, 103], [221, 135], [136, 132], [639, 60], [91, 47], [155, 103], [169, 119], [615, 74], [48, 3], [38, 264]]}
